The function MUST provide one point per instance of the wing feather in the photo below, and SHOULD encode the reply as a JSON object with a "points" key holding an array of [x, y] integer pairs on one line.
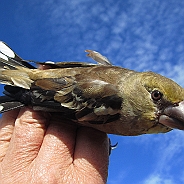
{"points": [[90, 100]]}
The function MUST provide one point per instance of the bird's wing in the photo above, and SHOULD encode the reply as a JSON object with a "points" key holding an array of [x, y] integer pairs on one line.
{"points": [[95, 101], [67, 64], [99, 58]]}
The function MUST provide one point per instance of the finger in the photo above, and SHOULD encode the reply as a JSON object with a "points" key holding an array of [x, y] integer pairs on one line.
{"points": [[92, 155], [70, 152], [26, 140], [7, 123], [58, 146]]}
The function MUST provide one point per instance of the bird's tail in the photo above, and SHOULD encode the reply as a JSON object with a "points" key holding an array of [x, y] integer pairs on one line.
{"points": [[8, 58], [13, 69], [12, 73]]}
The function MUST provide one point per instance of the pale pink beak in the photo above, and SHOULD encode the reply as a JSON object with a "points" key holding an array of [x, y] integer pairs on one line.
{"points": [[173, 116]]}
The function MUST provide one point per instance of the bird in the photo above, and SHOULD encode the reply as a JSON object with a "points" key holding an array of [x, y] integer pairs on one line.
{"points": [[109, 98]]}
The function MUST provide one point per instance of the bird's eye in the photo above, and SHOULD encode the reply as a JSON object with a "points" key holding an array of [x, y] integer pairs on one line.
{"points": [[156, 95]]}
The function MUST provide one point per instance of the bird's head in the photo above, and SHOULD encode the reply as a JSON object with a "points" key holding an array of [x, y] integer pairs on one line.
{"points": [[164, 100]]}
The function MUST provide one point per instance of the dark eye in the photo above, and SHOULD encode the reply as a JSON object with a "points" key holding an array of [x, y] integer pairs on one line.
{"points": [[156, 95]]}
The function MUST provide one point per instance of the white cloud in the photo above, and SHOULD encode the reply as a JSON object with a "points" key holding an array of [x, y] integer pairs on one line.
{"points": [[169, 157], [140, 35], [174, 71], [156, 179]]}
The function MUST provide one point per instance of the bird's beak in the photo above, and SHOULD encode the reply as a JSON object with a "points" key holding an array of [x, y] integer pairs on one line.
{"points": [[173, 116]]}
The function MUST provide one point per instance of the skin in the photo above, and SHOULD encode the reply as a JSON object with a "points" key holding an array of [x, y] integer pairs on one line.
{"points": [[38, 148]]}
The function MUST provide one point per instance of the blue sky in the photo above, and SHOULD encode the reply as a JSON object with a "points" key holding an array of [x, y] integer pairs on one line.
{"points": [[136, 34]]}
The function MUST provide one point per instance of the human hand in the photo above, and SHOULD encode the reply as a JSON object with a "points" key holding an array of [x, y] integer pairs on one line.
{"points": [[38, 148]]}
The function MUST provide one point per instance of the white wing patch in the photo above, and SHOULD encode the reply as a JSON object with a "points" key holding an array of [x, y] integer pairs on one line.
{"points": [[2, 56], [100, 82], [1, 107], [4, 49]]}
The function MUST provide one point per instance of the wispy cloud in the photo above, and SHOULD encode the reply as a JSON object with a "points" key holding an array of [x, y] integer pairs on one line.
{"points": [[169, 157], [141, 35], [156, 179]]}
